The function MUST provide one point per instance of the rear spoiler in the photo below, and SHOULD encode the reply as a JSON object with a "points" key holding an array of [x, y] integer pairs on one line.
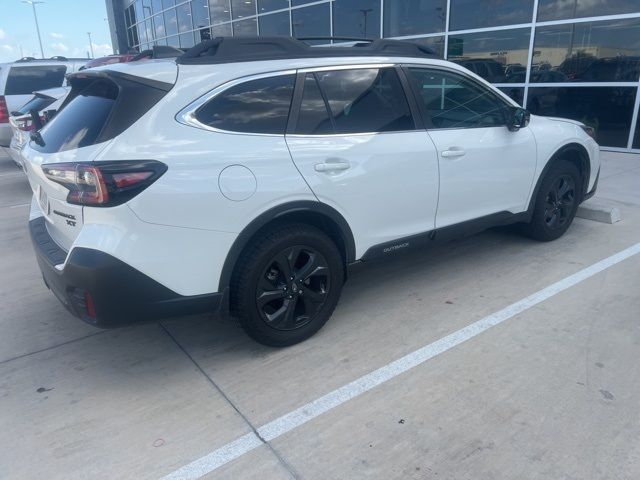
{"points": [[116, 77]]}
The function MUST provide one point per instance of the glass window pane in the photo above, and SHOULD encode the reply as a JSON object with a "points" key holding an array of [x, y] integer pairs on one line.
{"points": [[467, 14], [184, 18], [366, 100], [246, 27], [313, 118], [271, 5], [26, 80], [434, 43], [219, 11], [200, 11], [186, 40], [173, 41], [147, 9], [561, 9], [452, 101], [257, 106], [134, 35], [607, 109], [202, 34], [156, 6], [588, 52], [142, 32], [516, 93], [243, 8], [492, 54], [300, 2], [223, 30], [356, 18], [168, 4], [311, 22], [171, 22], [149, 27], [413, 17], [275, 24], [127, 18], [158, 24], [139, 11]]}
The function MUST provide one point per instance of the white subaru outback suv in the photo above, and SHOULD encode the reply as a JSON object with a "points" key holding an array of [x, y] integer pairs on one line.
{"points": [[248, 174]]}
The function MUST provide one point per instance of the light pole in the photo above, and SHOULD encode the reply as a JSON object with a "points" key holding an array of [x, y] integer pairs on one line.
{"points": [[33, 4], [90, 44]]}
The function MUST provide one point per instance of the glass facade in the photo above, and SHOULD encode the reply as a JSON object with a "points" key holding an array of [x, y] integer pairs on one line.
{"points": [[571, 58]]}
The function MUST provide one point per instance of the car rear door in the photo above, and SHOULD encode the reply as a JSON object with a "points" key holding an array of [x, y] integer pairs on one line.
{"points": [[352, 136], [485, 169]]}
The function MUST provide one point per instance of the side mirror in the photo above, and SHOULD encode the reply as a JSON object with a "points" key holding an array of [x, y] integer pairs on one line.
{"points": [[517, 118]]}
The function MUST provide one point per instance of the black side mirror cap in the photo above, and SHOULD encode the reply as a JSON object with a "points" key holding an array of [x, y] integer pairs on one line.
{"points": [[517, 118]]}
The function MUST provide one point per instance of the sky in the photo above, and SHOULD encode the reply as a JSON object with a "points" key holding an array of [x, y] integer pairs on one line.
{"points": [[63, 26]]}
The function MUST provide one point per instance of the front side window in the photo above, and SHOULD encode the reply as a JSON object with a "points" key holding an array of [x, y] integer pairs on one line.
{"points": [[255, 106], [362, 100], [449, 100], [26, 80]]}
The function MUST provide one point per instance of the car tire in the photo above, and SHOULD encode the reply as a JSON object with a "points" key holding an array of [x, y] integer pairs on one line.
{"points": [[287, 285], [556, 203]]}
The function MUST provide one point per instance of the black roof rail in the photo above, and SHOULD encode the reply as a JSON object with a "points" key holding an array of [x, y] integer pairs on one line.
{"points": [[59, 57], [250, 49], [26, 59], [158, 51]]}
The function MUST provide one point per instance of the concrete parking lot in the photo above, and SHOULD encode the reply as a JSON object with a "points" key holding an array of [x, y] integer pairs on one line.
{"points": [[546, 384]]}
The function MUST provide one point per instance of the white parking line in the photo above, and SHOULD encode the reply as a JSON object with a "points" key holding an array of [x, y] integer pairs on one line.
{"points": [[311, 410]]}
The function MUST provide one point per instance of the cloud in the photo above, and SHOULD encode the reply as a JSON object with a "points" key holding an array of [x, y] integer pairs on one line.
{"points": [[3, 34], [102, 49], [6, 48], [59, 47], [56, 35]]}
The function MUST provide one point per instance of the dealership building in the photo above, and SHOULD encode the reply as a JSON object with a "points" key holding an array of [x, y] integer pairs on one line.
{"points": [[568, 58]]}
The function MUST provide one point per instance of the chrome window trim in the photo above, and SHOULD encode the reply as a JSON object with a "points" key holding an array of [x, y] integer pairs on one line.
{"points": [[187, 116]]}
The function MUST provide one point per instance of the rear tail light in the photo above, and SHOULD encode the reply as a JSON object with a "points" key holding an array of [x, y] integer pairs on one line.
{"points": [[104, 184], [26, 123], [4, 111]]}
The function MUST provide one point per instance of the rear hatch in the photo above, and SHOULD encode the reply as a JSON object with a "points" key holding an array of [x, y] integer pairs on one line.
{"points": [[101, 105]]}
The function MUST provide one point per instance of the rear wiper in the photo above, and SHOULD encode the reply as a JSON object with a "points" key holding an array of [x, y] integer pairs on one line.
{"points": [[36, 137]]}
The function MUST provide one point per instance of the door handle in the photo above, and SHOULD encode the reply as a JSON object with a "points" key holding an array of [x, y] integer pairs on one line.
{"points": [[331, 166], [453, 152]]}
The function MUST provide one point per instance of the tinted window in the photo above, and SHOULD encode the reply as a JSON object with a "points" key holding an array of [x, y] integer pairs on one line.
{"points": [[588, 52], [560, 9], [243, 8], [79, 123], [312, 22], [498, 57], [452, 101], [356, 18], [270, 5], [219, 11], [607, 109], [246, 27], [257, 106], [275, 24], [36, 103], [466, 14], [26, 80], [366, 100], [412, 17], [313, 118]]}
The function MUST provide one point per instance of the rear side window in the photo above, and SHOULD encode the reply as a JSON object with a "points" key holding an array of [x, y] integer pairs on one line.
{"points": [[313, 118], [26, 80], [80, 122], [256, 106], [36, 103], [360, 101]]}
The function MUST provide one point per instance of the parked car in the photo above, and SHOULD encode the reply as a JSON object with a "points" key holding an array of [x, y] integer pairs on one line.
{"points": [[18, 81], [247, 175], [33, 115]]}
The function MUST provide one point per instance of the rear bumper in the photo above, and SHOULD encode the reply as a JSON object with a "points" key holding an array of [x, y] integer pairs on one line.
{"points": [[106, 292]]}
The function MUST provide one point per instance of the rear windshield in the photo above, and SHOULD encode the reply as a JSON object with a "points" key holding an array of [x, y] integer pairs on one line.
{"points": [[26, 80], [80, 122], [36, 103], [98, 109]]}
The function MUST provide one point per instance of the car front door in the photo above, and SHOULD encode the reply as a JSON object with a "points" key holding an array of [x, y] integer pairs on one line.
{"points": [[354, 139], [485, 168]]}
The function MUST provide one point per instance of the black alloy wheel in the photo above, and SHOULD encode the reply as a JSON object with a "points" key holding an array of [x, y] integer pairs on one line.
{"points": [[293, 288], [559, 202]]}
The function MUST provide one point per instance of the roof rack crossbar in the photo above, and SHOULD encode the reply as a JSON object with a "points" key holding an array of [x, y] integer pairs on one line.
{"points": [[220, 50]]}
